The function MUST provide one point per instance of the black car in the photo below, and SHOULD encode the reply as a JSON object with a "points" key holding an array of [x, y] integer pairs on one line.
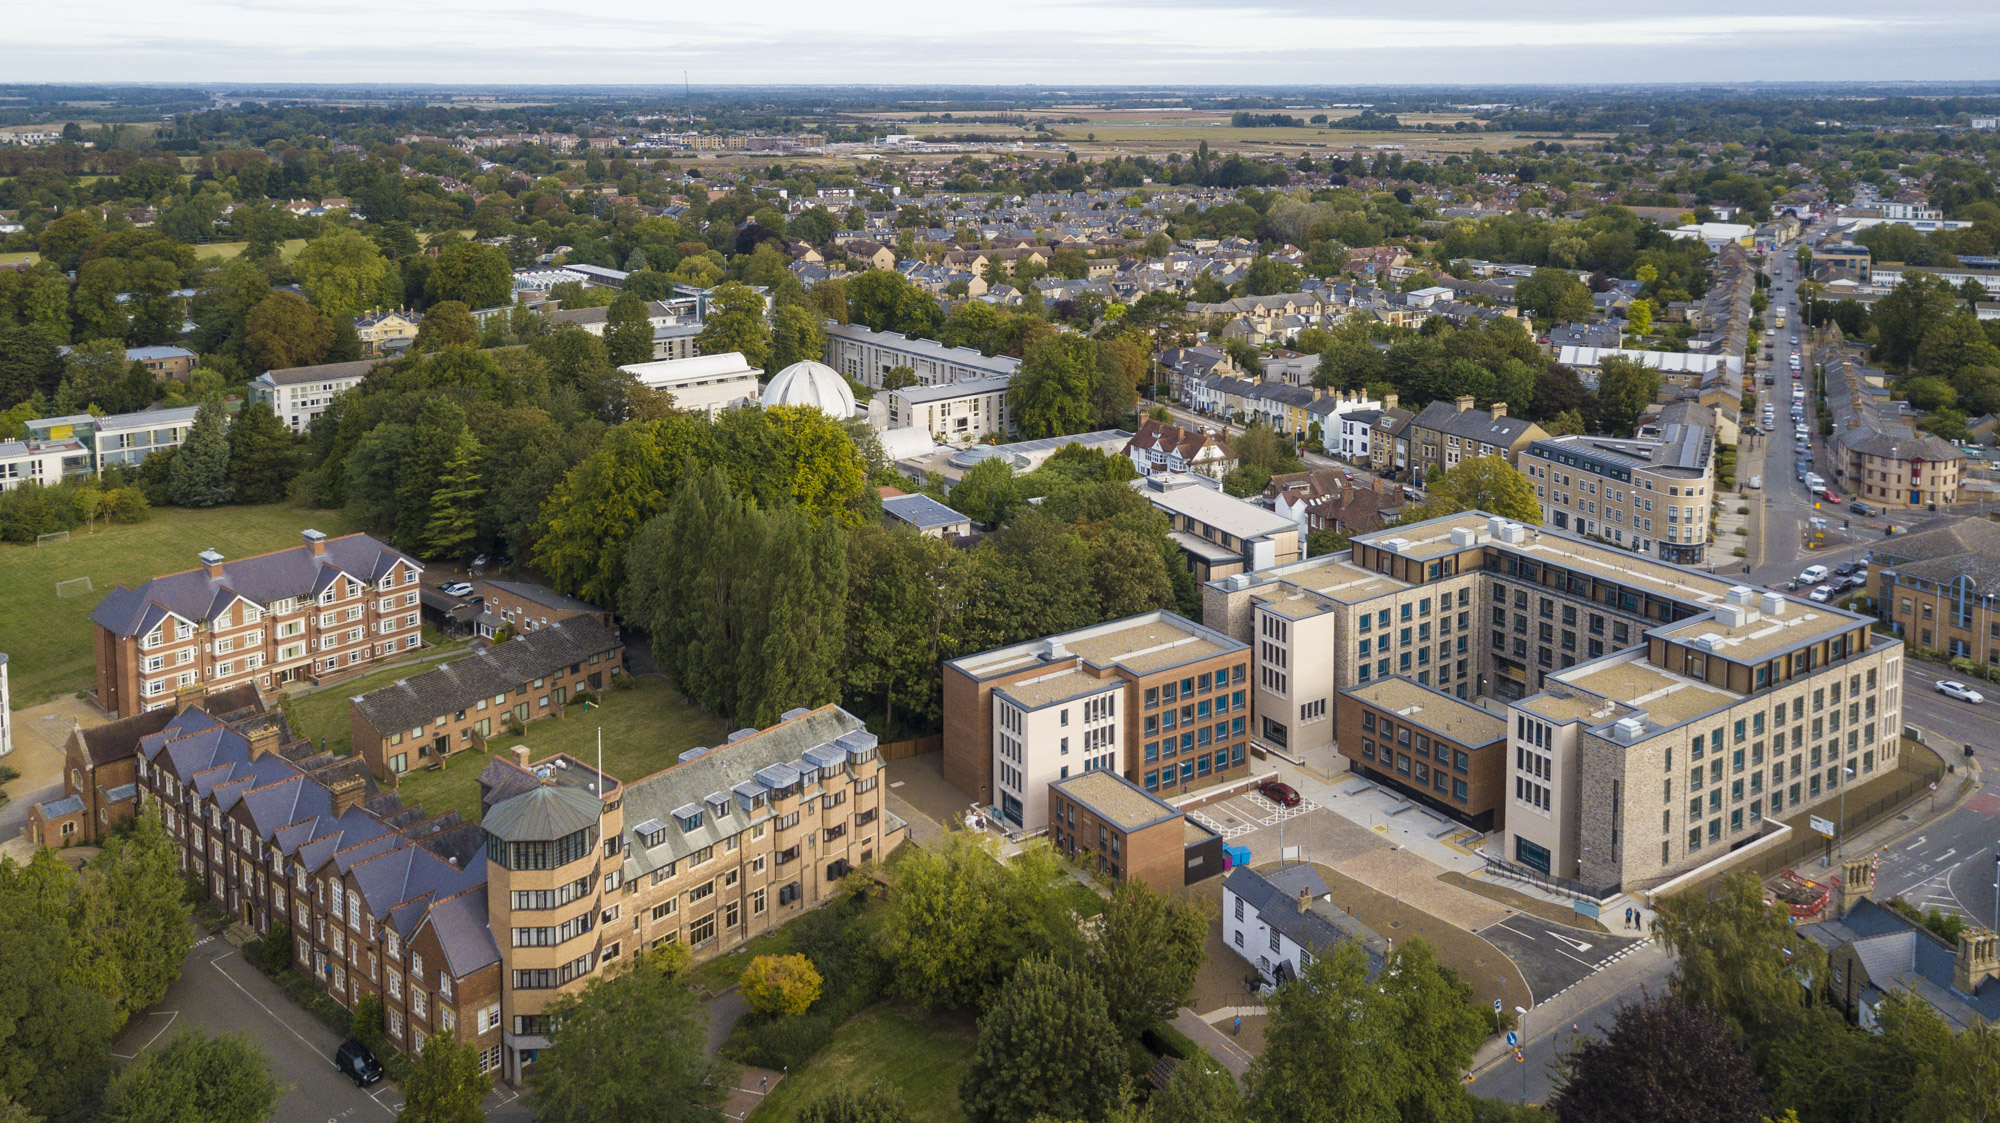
{"points": [[1861, 508], [1845, 568], [360, 1065]]}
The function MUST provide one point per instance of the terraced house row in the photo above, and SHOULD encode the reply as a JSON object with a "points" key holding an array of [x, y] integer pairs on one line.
{"points": [[321, 610]]}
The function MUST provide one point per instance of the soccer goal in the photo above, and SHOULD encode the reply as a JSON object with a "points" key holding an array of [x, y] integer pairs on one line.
{"points": [[74, 587], [47, 539]]}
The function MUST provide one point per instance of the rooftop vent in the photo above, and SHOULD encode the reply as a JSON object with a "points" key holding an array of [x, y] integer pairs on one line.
{"points": [[1709, 641], [1053, 649], [740, 734], [1511, 533], [1396, 544], [788, 715], [1742, 594], [1629, 729], [1773, 604], [1236, 582], [1733, 615], [691, 754], [1463, 536]]}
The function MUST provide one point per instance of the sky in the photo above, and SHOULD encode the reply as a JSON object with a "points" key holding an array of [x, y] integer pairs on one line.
{"points": [[904, 42]]}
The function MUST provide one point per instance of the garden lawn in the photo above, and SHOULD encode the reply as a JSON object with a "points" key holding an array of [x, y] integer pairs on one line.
{"points": [[49, 641], [645, 728], [923, 1056]]}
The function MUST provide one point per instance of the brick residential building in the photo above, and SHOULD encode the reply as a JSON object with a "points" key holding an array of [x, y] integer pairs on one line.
{"points": [[528, 608], [1446, 754], [312, 613], [1156, 697], [460, 705], [1448, 432], [1129, 834]]}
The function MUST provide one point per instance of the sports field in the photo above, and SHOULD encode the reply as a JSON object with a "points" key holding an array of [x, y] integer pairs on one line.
{"points": [[48, 639]]}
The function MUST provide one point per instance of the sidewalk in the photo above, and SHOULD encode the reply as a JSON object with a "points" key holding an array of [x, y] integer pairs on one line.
{"points": [[1218, 1043]]}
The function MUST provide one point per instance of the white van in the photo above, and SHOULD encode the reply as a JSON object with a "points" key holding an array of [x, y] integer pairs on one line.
{"points": [[1812, 575], [1815, 482]]}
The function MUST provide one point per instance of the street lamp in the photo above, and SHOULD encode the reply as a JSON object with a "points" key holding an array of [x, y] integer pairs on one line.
{"points": [[1521, 1014]]}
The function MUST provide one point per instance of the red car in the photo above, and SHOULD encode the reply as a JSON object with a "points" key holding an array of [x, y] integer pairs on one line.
{"points": [[1830, 496], [1279, 793]]}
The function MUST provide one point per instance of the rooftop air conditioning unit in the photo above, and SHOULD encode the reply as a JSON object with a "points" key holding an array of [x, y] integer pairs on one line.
{"points": [[1629, 729], [1773, 604], [1463, 536]]}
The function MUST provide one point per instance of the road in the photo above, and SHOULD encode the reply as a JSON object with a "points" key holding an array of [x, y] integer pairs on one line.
{"points": [[219, 992], [1534, 1073]]}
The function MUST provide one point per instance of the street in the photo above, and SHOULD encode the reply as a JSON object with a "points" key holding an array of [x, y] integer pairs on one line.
{"points": [[218, 992], [1534, 1072]]}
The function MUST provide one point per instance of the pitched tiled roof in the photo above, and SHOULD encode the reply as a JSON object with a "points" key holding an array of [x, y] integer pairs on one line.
{"points": [[1318, 927], [487, 673], [1472, 424], [194, 596], [1175, 440]]}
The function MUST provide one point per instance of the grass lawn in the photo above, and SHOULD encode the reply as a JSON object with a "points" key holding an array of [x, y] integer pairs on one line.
{"points": [[645, 729], [49, 640], [921, 1055], [223, 251]]}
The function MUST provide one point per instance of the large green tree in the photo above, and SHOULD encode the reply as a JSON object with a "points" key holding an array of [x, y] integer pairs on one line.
{"points": [[1046, 1046], [1054, 390], [448, 323], [1199, 1091], [445, 1084], [263, 455], [222, 1079], [961, 921], [345, 274], [282, 331], [631, 1046], [1485, 483], [475, 275], [795, 336], [1554, 294], [735, 322], [1625, 387], [886, 300], [1662, 1062], [628, 333], [1147, 952], [457, 501], [200, 473]]}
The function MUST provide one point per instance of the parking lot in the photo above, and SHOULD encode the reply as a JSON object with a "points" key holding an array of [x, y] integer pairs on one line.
{"points": [[1246, 813], [218, 992]]}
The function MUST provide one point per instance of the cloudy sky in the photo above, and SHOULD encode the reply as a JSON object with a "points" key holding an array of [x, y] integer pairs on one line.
{"points": [[1182, 42]]}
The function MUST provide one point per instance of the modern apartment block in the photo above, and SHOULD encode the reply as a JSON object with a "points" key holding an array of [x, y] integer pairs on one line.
{"points": [[464, 704], [1651, 495], [1220, 534], [865, 355], [56, 448], [299, 394], [1129, 834], [725, 845], [311, 613], [1657, 716], [1446, 754], [1156, 698], [959, 412]]}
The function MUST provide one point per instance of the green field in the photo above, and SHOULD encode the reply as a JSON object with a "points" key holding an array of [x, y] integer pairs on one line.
{"points": [[49, 640], [923, 1056], [645, 729], [223, 251]]}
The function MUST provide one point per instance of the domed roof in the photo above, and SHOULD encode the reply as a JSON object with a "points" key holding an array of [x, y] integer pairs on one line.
{"points": [[808, 383]]}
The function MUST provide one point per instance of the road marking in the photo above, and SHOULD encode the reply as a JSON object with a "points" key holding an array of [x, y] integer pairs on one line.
{"points": [[1921, 839], [217, 964], [1946, 854], [1577, 944], [171, 1015]]}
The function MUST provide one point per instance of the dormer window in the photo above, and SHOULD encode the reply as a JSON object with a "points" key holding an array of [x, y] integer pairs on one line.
{"points": [[689, 817], [651, 833]]}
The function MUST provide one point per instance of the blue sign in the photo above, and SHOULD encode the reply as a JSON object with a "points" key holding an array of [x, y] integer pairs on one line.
{"points": [[1513, 1039]]}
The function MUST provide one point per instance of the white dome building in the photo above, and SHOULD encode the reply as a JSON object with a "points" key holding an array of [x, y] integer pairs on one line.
{"points": [[809, 383]]}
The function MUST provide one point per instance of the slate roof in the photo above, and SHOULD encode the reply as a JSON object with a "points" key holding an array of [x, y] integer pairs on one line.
{"points": [[119, 740], [542, 595], [1968, 547], [1319, 928], [1471, 424], [487, 673], [1895, 953], [543, 814], [194, 596], [1184, 442], [319, 372]]}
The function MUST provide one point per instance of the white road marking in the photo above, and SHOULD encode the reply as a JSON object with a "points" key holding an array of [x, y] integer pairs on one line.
{"points": [[171, 1015], [1577, 944], [1921, 839]]}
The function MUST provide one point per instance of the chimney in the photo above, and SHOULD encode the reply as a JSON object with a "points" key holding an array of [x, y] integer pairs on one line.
{"points": [[1857, 884], [1498, 410], [316, 542], [212, 561], [1305, 901], [1977, 961], [1464, 402], [348, 792], [521, 756], [263, 739], [1388, 401]]}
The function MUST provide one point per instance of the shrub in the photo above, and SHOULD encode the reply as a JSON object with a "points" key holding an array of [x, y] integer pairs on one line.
{"points": [[780, 984]]}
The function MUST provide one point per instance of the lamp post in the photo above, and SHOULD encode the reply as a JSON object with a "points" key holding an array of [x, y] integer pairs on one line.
{"points": [[1521, 1013]]}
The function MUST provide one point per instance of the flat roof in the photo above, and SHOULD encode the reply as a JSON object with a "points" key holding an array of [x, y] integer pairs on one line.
{"points": [[1762, 636], [1061, 686], [1116, 800], [1668, 699], [1440, 713], [1141, 644], [1565, 708], [1208, 505]]}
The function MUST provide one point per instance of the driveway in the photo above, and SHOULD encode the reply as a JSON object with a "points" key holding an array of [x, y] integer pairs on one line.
{"points": [[219, 992]]}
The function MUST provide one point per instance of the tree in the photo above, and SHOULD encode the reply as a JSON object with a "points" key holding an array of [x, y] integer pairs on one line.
{"points": [[1639, 317], [1663, 1062], [200, 475], [282, 331], [1740, 957], [1199, 1091], [1054, 389], [780, 984], [1318, 1063], [263, 455], [1961, 1079], [1567, 423], [475, 275], [960, 922], [628, 332], [795, 336], [1554, 294], [1046, 1045], [433, 438], [345, 274], [873, 1104], [631, 1046], [134, 885], [736, 323], [1146, 954], [886, 300], [222, 1079], [448, 323], [1625, 387], [456, 503], [445, 1084], [1486, 483]]}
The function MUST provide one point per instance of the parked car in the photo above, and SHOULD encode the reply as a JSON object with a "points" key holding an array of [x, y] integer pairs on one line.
{"points": [[1857, 581], [1952, 688], [1845, 568], [1756, 483], [1279, 792], [1822, 594], [457, 589], [1812, 575], [360, 1065], [1860, 508], [1830, 495]]}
